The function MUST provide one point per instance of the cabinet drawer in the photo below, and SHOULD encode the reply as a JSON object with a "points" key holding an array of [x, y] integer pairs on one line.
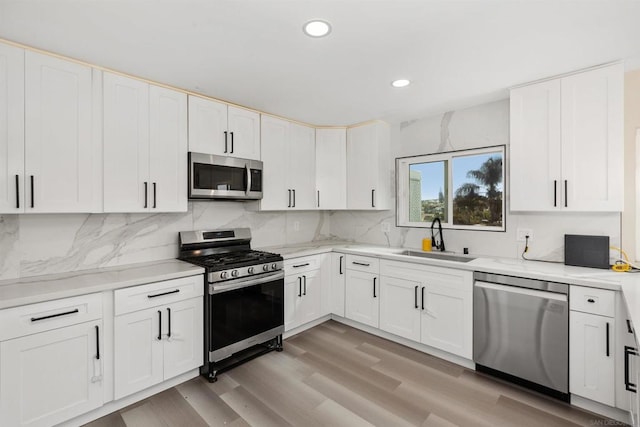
{"points": [[592, 300], [44, 316], [302, 264], [363, 263], [153, 294], [428, 275]]}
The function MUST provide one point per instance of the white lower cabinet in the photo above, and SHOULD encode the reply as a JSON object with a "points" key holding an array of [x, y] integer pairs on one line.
{"points": [[430, 305], [591, 357], [160, 341], [362, 301], [338, 279], [303, 291], [51, 369]]}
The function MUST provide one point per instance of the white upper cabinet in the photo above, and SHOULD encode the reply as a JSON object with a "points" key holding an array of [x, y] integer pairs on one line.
{"points": [[145, 147], [368, 167], [221, 129], [11, 129], [566, 149], [59, 149], [331, 168], [288, 155]]}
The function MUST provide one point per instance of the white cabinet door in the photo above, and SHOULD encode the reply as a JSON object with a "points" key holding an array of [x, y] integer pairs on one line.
{"points": [[292, 301], [244, 133], [276, 195], [368, 167], [50, 377], [399, 307], [592, 139], [331, 168], [447, 318], [138, 350], [183, 337], [208, 126], [126, 144], [301, 167], [338, 263], [535, 148], [591, 357], [311, 296], [362, 292], [168, 150], [59, 151], [11, 129]]}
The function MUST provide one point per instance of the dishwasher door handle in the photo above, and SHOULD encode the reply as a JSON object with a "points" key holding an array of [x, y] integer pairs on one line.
{"points": [[522, 291]]}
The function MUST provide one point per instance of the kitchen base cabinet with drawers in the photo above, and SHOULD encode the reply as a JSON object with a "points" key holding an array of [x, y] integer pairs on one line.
{"points": [[51, 368]]}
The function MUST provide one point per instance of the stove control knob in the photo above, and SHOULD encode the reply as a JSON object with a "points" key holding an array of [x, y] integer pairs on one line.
{"points": [[224, 275], [273, 266], [265, 267], [234, 273], [250, 270]]}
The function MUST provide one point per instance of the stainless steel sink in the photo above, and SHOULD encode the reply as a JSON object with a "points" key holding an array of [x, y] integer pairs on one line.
{"points": [[438, 255]]}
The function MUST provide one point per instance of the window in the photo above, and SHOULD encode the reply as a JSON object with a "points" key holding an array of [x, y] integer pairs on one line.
{"points": [[465, 189]]}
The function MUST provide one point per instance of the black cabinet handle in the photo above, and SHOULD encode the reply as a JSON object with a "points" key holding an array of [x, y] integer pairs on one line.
{"points": [[231, 142], [175, 291], [225, 141], [374, 287], [340, 264], [423, 297], [566, 193], [299, 286], [146, 185], [628, 385], [301, 265], [154, 195], [97, 342], [591, 300], [364, 264], [289, 205], [373, 198], [607, 339], [415, 296], [159, 325], [629, 328], [294, 198], [51, 316], [318, 198], [17, 192], [305, 285], [555, 193], [32, 197], [169, 320]]}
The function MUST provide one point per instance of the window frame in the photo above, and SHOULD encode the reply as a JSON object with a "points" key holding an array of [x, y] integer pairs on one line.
{"points": [[402, 187]]}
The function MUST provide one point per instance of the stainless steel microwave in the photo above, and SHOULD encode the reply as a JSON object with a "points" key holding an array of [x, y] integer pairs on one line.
{"points": [[222, 177]]}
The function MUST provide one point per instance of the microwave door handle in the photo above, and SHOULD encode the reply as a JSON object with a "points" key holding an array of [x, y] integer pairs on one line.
{"points": [[248, 179]]}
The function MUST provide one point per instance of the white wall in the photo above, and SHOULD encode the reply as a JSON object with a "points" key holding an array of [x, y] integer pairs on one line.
{"points": [[480, 126], [52, 243]]}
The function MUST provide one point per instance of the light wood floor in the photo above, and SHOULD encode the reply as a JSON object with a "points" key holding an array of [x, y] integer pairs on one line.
{"points": [[334, 375]]}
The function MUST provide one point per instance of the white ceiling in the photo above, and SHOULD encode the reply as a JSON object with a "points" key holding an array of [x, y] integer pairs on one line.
{"points": [[253, 52]]}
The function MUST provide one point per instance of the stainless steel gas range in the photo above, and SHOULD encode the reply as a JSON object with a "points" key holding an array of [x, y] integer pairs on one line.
{"points": [[244, 296]]}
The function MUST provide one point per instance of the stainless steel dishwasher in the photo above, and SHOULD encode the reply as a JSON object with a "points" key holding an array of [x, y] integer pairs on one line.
{"points": [[521, 331]]}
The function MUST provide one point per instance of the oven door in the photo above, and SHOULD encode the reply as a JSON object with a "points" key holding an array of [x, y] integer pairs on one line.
{"points": [[221, 177], [243, 313]]}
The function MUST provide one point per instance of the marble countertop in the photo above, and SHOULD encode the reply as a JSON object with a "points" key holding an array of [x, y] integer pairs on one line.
{"points": [[55, 286]]}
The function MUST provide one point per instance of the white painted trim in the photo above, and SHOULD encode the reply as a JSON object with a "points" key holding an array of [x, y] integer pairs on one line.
{"points": [[599, 408], [306, 326], [110, 407]]}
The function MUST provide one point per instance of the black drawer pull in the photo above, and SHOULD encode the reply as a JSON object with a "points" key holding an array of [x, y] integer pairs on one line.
{"points": [[628, 385], [374, 287], [299, 286], [361, 263], [159, 325], [415, 296], [32, 197], [17, 192], [175, 291], [340, 262], [301, 265], [51, 316], [591, 300], [169, 320], [629, 328], [305, 285], [608, 353], [97, 342]]}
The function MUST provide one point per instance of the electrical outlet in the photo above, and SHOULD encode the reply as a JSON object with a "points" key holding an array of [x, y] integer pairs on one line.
{"points": [[522, 233], [296, 225], [385, 227]]}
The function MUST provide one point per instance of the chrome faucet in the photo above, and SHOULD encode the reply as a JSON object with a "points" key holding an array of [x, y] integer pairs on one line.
{"points": [[437, 244]]}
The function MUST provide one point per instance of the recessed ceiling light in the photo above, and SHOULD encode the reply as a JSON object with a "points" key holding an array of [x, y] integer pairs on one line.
{"points": [[316, 28], [400, 83]]}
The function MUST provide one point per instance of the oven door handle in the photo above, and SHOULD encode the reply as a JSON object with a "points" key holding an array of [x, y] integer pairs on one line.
{"points": [[245, 282]]}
